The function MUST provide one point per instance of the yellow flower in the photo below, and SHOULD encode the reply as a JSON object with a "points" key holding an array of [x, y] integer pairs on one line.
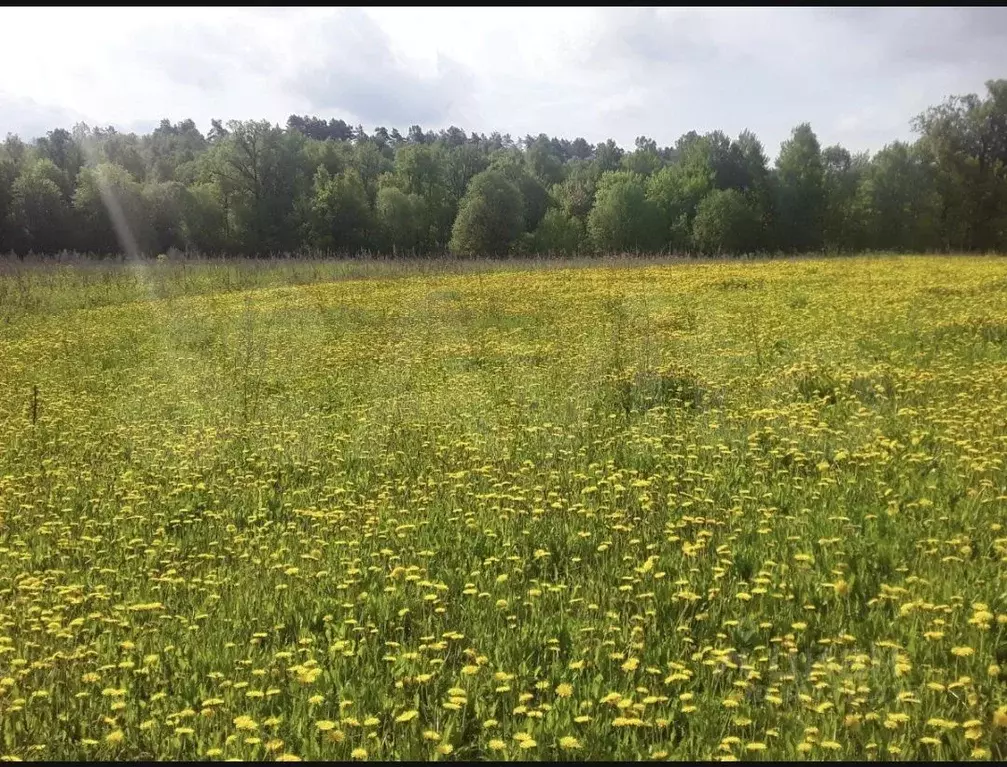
{"points": [[755, 747], [245, 723], [407, 716], [564, 690], [1000, 717], [325, 725], [358, 753], [962, 652], [497, 745], [569, 742], [288, 758], [115, 737]]}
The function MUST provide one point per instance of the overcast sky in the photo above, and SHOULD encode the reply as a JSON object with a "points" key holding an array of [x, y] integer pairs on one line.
{"points": [[857, 75]]}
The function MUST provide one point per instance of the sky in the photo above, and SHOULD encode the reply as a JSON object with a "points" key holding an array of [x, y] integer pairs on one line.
{"points": [[858, 75]]}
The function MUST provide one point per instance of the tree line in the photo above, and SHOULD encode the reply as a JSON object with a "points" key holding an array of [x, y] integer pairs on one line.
{"points": [[254, 188]]}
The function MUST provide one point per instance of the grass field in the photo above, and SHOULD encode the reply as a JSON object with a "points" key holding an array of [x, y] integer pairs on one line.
{"points": [[716, 510]]}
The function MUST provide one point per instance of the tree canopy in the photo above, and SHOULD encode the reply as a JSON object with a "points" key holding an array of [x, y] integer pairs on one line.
{"points": [[321, 185]]}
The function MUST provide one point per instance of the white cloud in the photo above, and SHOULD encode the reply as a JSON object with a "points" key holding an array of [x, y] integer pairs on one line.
{"points": [[858, 75]]}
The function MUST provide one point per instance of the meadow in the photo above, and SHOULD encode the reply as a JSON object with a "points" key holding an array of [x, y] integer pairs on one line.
{"points": [[715, 510]]}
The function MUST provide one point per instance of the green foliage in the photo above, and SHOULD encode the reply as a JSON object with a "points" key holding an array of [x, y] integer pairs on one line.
{"points": [[490, 218], [258, 185], [38, 214], [112, 211], [623, 219], [534, 196], [801, 190], [558, 233], [400, 219], [725, 223], [340, 216]]}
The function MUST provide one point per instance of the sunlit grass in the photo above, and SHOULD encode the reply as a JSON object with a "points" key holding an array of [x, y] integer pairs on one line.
{"points": [[615, 512]]}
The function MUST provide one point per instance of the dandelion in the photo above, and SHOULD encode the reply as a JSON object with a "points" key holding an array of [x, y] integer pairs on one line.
{"points": [[245, 723], [358, 753], [564, 690]]}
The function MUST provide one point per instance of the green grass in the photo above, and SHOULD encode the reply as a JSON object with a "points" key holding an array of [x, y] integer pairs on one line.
{"points": [[620, 510]]}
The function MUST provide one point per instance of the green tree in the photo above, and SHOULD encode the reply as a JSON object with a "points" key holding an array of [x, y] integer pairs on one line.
{"points": [[400, 220], [111, 211], [623, 219], [676, 191], [340, 218], [166, 203], [65, 152], [38, 216], [535, 197], [646, 160], [898, 204], [558, 233], [843, 219], [204, 225], [725, 223], [490, 217], [575, 195], [255, 166], [543, 161], [8, 173], [800, 191]]}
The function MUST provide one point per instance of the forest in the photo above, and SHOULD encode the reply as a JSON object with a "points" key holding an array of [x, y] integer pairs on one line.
{"points": [[325, 187]]}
